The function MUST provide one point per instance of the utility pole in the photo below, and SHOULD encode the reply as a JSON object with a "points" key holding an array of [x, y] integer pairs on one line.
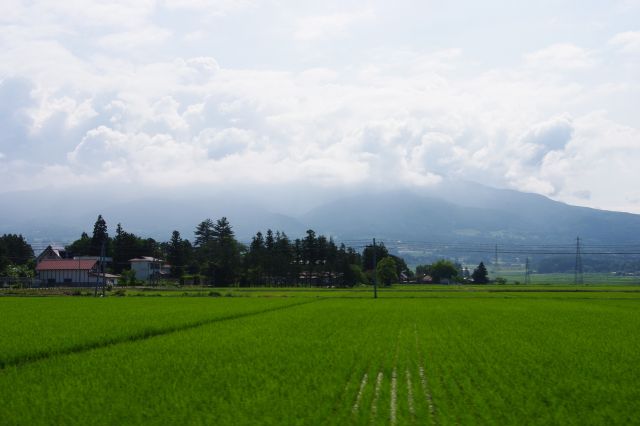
{"points": [[527, 273], [578, 275], [375, 280], [100, 270], [103, 260], [495, 262]]}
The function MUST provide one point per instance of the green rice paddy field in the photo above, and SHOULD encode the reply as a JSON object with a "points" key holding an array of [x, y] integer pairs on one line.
{"points": [[535, 355]]}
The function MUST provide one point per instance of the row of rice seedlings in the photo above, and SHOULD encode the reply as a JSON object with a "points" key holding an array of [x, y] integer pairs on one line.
{"points": [[500, 364], [33, 328], [500, 361], [282, 365], [387, 396]]}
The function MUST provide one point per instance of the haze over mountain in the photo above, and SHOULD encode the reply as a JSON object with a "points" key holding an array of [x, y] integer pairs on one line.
{"points": [[452, 211], [460, 211]]}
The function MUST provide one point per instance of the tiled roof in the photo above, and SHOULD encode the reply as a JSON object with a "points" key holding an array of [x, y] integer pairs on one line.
{"points": [[66, 264]]}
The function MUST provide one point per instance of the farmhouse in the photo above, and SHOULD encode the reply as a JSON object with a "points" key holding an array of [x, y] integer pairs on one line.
{"points": [[148, 268], [77, 272], [73, 272]]}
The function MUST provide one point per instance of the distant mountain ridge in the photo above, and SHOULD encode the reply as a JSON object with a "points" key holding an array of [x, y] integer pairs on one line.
{"points": [[452, 211], [488, 215]]}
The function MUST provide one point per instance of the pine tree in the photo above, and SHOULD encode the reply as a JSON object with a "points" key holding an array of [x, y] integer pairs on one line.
{"points": [[222, 230], [254, 261], [120, 249], [269, 267], [218, 251], [480, 274], [100, 236], [177, 254], [203, 233]]}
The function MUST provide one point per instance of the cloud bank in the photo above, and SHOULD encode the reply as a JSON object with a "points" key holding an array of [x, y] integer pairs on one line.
{"points": [[163, 94]]}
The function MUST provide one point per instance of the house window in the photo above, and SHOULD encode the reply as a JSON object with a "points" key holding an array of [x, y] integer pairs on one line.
{"points": [[68, 280], [51, 281]]}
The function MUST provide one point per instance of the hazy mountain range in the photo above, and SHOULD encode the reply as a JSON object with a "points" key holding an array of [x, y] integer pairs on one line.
{"points": [[449, 212]]}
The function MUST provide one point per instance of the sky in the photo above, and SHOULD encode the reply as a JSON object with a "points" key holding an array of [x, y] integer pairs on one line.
{"points": [[167, 95]]}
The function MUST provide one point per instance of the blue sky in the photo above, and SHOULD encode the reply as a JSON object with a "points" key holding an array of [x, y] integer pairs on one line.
{"points": [[165, 95]]}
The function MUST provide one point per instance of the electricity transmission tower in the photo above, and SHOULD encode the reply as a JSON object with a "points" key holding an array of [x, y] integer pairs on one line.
{"points": [[578, 275], [495, 261], [527, 273]]}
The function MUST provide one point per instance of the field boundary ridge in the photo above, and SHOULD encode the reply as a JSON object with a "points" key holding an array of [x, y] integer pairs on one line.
{"points": [[139, 336]]}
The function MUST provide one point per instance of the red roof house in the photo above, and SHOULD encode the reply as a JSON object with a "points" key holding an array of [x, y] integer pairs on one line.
{"points": [[74, 272]]}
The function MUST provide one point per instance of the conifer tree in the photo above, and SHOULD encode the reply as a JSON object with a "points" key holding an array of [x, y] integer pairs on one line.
{"points": [[480, 274]]}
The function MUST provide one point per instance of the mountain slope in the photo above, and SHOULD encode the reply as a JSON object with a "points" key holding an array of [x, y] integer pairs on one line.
{"points": [[485, 216], [450, 212]]}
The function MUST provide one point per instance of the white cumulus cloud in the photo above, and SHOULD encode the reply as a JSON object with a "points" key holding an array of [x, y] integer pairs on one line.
{"points": [[560, 56], [150, 95], [628, 42]]}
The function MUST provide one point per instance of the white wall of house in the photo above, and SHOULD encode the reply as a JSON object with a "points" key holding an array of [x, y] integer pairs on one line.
{"points": [[144, 269], [66, 276]]}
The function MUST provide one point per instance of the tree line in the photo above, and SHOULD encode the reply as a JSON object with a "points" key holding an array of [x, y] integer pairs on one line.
{"points": [[444, 270], [216, 257], [16, 257]]}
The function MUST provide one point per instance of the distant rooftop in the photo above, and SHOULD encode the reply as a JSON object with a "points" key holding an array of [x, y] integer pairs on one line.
{"points": [[66, 264]]}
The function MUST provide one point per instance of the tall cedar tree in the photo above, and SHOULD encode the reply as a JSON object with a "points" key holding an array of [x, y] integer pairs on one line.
{"points": [[226, 252], [218, 252], [178, 254], [480, 274], [100, 236], [203, 233], [255, 260]]}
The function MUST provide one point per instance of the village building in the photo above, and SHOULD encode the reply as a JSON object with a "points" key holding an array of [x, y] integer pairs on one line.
{"points": [[51, 253], [77, 272], [72, 272], [54, 268], [149, 268]]}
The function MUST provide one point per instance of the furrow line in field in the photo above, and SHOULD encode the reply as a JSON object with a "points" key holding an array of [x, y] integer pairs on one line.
{"points": [[363, 384], [427, 393], [393, 400], [354, 376], [393, 409], [139, 336], [424, 381], [376, 395], [410, 402]]}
